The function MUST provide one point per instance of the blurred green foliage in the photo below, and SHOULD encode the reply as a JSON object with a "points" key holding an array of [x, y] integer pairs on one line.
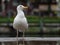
{"points": [[32, 19]]}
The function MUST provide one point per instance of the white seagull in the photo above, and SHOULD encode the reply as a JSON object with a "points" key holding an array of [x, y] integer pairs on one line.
{"points": [[20, 22]]}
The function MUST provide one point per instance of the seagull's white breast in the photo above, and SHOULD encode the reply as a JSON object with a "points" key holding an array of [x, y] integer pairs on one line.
{"points": [[20, 22]]}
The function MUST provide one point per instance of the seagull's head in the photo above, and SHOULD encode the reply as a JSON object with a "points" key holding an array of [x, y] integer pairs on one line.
{"points": [[21, 7]]}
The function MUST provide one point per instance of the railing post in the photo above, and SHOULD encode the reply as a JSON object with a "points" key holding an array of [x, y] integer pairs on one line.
{"points": [[41, 24]]}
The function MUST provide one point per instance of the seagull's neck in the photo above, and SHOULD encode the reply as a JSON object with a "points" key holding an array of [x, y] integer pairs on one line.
{"points": [[20, 14], [19, 11]]}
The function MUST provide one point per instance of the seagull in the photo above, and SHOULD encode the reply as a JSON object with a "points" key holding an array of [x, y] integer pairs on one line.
{"points": [[20, 22]]}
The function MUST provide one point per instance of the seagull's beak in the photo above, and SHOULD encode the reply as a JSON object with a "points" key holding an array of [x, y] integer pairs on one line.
{"points": [[25, 7]]}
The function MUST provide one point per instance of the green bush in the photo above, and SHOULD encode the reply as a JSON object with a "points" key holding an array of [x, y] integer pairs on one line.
{"points": [[33, 19]]}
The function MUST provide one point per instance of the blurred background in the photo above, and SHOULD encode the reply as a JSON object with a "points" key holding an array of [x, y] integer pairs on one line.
{"points": [[41, 15], [43, 18]]}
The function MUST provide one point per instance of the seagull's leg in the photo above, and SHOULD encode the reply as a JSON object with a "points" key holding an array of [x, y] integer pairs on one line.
{"points": [[17, 37], [23, 38]]}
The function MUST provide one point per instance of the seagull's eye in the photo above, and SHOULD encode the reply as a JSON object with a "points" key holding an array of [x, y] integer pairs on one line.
{"points": [[20, 6]]}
